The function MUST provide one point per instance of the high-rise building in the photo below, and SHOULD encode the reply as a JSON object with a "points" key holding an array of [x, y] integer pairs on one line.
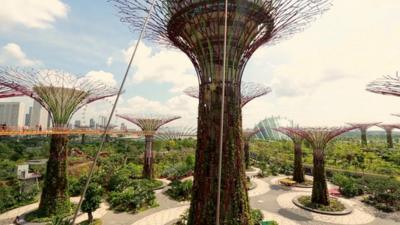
{"points": [[28, 117], [92, 123], [102, 121], [12, 114], [39, 117], [123, 126], [77, 123]]}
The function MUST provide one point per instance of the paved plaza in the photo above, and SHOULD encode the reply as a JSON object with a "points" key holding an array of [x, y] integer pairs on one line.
{"points": [[272, 199]]}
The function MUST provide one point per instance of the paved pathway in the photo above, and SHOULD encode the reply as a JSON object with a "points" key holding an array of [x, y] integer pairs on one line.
{"points": [[274, 200]]}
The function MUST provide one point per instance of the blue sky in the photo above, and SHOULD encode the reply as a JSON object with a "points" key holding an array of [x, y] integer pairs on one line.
{"points": [[318, 77]]}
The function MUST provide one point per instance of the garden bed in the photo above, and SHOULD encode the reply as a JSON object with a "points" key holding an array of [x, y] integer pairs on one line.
{"points": [[287, 181], [336, 207]]}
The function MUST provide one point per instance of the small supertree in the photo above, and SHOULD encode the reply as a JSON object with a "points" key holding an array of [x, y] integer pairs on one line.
{"points": [[92, 200], [247, 135], [319, 138], [6, 92], [389, 129], [197, 29], [298, 171], [176, 133], [363, 128], [149, 124], [248, 92], [61, 94]]}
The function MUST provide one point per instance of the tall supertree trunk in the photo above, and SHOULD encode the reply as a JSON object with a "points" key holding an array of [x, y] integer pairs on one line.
{"points": [[148, 158], [235, 209], [298, 172], [55, 199], [389, 138], [364, 141], [246, 149], [83, 138], [320, 188]]}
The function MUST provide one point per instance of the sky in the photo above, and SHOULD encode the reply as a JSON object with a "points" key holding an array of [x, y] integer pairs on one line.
{"points": [[318, 77]]}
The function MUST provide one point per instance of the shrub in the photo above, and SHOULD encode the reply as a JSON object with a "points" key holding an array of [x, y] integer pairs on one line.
{"points": [[11, 197], [133, 198], [183, 219], [384, 193], [92, 200], [180, 191], [256, 216], [348, 186]]}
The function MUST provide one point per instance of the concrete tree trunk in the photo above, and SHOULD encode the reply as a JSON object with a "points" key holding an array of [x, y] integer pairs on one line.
{"points": [[246, 149], [235, 209], [364, 141], [320, 188], [148, 158], [389, 138], [298, 172], [54, 199]]}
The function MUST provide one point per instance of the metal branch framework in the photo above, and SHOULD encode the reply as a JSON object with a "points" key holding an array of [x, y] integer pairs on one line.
{"points": [[6, 92], [290, 133], [176, 133], [196, 27], [387, 85], [248, 91], [319, 137], [60, 93], [389, 127], [148, 123], [363, 126]]}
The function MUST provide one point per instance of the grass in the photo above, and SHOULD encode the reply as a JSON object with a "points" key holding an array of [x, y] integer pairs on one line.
{"points": [[36, 217], [95, 222], [334, 204]]}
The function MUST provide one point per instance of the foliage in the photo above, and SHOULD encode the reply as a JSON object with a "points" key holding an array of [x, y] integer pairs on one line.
{"points": [[256, 216], [334, 204], [133, 198], [92, 200], [180, 191], [11, 196], [95, 222], [179, 170], [183, 219], [384, 193], [348, 186], [58, 220]]}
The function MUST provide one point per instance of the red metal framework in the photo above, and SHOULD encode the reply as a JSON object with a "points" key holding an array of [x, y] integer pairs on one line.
{"points": [[290, 133], [363, 126], [6, 92], [248, 91], [387, 85], [148, 122], [389, 127], [318, 137], [60, 93], [176, 133]]}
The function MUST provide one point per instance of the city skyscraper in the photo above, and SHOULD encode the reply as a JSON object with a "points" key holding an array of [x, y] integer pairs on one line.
{"points": [[92, 123], [12, 114], [39, 116], [28, 117]]}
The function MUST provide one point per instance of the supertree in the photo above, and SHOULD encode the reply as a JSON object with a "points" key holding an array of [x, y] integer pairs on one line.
{"points": [[149, 124], [247, 135], [248, 92], [319, 138], [388, 129], [61, 94], [298, 172], [176, 133], [363, 128], [6, 92], [198, 29]]}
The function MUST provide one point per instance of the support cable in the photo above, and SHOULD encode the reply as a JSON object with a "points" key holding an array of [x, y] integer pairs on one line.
{"points": [[112, 112], [221, 139]]}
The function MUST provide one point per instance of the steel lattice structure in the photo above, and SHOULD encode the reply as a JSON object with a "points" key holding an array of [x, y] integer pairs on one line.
{"points": [[289, 132], [389, 130], [248, 91], [176, 133], [60, 93], [6, 92], [387, 85], [148, 123], [319, 137], [363, 128]]}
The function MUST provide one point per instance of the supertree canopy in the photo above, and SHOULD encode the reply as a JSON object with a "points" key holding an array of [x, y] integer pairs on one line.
{"points": [[198, 29], [248, 91], [62, 94], [318, 138], [6, 92], [389, 129], [298, 172], [363, 128], [176, 133], [149, 124]]}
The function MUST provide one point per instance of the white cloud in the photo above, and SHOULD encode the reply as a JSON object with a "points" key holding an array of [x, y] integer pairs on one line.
{"points": [[105, 77], [12, 54], [162, 66], [109, 61], [38, 14]]}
